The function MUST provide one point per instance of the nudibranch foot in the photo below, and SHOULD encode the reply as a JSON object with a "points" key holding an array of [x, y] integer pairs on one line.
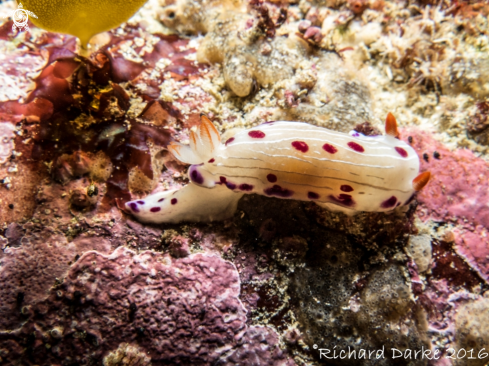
{"points": [[336, 208], [350, 173], [190, 203]]}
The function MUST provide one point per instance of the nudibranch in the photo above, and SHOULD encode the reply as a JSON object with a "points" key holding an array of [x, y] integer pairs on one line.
{"points": [[290, 160]]}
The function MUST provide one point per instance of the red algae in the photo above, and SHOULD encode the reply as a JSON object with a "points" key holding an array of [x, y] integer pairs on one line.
{"points": [[79, 101]]}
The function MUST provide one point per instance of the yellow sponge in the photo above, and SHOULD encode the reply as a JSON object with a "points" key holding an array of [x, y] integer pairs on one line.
{"points": [[81, 18]]}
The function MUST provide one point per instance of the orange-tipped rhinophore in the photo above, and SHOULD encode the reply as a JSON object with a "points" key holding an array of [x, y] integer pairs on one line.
{"points": [[421, 180], [391, 126]]}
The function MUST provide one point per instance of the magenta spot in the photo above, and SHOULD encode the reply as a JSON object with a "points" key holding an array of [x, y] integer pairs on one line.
{"points": [[230, 185], [343, 200], [312, 195], [401, 152], [229, 140], [389, 203], [155, 209], [346, 188], [161, 200], [246, 187], [174, 201], [256, 134], [330, 148], [355, 134], [300, 145], [222, 179], [212, 160], [140, 202], [356, 147], [272, 178], [133, 206], [278, 191], [195, 175]]}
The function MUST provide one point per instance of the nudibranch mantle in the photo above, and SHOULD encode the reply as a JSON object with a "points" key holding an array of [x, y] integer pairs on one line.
{"points": [[291, 160]]}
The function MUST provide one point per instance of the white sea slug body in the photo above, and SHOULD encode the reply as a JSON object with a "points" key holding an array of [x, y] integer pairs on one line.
{"points": [[291, 160]]}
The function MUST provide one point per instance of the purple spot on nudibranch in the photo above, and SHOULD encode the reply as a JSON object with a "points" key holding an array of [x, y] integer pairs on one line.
{"points": [[195, 175], [161, 200], [278, 191], [272, 178], [268, 122], [401, 151], [230, 185], [212, 160], [155, 209], [330, 148], [174, 201], [300, 145], [346, 188], [343, 200], [312, 195], [222, 179], [355, 134], [246, 187], [356, 147], [140, 202], [256, 134], [134, 207], [389, 203], [229, 140]]}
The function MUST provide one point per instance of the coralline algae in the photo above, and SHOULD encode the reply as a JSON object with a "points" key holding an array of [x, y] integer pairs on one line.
{"points": [[457, 194], [179, 310]]}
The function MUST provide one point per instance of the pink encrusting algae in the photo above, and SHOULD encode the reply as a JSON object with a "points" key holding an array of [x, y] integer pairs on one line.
{"points": [[458, 194]]}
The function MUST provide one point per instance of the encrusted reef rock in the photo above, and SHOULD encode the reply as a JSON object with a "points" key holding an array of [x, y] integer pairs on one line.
{"points": [[127, 355], [259, 346], [310, 84], [31, 264], [178, 311], [459, 195], [419, 249], [344, 299], [471, 329], [171, 317]]}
